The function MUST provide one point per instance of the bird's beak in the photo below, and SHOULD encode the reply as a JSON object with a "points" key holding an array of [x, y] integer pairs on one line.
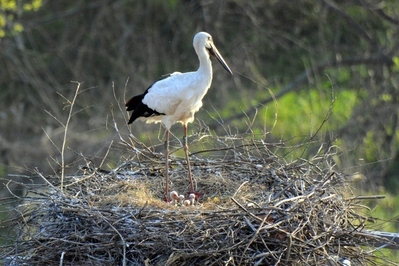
{"points": [[215, 53]]}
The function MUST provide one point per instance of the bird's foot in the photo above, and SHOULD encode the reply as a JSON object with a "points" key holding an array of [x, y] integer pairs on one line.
{"points": [[167, 199]]}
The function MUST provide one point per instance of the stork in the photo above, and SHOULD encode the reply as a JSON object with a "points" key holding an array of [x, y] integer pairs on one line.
{"points": [[177, 97], [174, 196], [190, 201]]}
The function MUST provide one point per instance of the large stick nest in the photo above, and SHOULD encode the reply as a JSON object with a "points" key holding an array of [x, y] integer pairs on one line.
{"points": [[257, 209]]}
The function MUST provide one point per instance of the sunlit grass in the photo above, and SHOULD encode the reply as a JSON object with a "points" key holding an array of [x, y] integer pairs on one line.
{"points": [[304, 112], [386, 212]]}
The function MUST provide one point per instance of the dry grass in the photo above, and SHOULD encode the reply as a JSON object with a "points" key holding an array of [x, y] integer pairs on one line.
{"points": [[256, 209]]}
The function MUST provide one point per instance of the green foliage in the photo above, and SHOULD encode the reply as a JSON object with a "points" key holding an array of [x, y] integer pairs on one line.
{"points": [[386, 212], [388, 207], [395, 60], [302, 113], [371, 148], [34, 5], [8, 23]]}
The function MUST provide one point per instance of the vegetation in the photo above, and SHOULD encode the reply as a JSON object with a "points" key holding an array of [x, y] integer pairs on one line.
{"points": [[308, 54], [305, 71]]}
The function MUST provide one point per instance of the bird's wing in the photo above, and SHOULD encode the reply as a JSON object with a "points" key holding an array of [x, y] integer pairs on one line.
{"points": [[166, 94]]}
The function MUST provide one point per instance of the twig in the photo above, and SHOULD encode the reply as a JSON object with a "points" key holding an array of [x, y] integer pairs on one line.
{"points": [[366, 197], [72, 103], [62, 258], [238, 189], [121, 237], [244, 209]]}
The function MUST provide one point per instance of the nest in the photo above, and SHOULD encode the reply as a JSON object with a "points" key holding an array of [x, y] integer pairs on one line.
{"points": [[257, 209]]}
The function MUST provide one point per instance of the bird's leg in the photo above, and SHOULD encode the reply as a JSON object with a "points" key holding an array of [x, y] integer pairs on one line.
{"points": [[185, 147], [167, 165]]}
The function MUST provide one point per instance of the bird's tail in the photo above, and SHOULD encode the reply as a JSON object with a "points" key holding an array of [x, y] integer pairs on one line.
{"points": [[134, 102], [139, 109]]}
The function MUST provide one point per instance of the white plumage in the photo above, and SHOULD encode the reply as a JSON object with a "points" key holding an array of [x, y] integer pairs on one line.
{"points": [[190, 201], [178, 96]]}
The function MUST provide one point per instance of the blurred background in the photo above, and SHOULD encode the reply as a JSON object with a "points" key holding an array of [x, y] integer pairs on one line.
{"points": [[332, 66]]}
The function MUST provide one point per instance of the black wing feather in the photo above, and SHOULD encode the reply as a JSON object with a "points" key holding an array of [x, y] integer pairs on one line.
{"points": [[140, 109]]}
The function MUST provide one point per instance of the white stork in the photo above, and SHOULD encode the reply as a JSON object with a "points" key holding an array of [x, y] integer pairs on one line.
{"points": [[177, 97]]}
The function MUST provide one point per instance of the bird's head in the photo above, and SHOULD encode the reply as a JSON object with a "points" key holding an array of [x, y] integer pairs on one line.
{"points": [[204, 40]]}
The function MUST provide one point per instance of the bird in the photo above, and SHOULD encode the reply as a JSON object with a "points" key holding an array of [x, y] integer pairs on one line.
{"points": [[190, 201], [181, 199], [176, 97], [174, 196]]}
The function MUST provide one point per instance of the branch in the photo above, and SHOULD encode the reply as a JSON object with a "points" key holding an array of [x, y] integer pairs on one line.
{"points": [[72, 103]]}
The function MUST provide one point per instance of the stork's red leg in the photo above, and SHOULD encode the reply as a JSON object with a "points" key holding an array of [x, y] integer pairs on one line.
{"points": [[167, 165], [185, 147]]}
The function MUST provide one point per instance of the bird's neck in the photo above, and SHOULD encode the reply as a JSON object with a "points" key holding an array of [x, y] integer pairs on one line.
{"points": [[205, 64]]}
